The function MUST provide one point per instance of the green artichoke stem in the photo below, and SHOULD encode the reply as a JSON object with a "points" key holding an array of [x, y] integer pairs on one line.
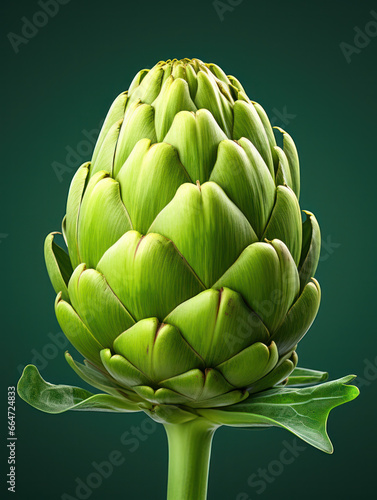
{"points": [[189, 457]]}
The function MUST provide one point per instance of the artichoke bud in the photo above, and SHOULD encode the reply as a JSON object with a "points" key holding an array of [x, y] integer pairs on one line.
{"points": [[189, 273]]}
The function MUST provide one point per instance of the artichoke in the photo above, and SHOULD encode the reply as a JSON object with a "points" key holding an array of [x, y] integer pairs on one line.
{"points": [[192, 279], [189, 275]]}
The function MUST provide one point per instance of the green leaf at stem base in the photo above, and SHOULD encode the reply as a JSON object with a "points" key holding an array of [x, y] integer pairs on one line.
{"points": [[302, 411], [60, 398]]}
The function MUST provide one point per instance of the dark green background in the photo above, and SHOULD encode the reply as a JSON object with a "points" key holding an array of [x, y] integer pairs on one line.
{"points": [[288, 56]]}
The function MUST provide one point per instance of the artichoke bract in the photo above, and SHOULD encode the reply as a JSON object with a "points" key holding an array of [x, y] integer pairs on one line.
{"points": [[192, 276], [189, 277]]}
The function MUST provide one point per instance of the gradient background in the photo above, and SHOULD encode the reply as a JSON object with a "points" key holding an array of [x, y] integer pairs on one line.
{"points": [[288, 57]]}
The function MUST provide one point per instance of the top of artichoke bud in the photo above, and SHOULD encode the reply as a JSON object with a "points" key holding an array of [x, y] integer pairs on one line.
{"points": [[178, 99], [189, 85]]}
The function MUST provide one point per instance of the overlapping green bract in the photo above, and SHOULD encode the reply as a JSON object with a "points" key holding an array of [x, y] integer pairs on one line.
{"points": [[190, 273]]}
